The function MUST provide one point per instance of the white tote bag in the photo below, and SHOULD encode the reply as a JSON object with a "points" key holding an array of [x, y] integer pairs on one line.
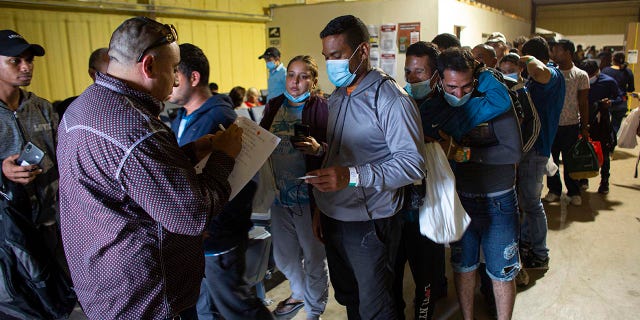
{"points": [[442, 217]]}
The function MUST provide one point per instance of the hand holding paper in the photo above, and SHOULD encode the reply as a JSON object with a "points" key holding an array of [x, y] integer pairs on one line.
{"points": [[228, 141], [257, 146]]}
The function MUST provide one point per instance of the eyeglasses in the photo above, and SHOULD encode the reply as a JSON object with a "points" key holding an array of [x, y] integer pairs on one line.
{"points": [[170, 36]]}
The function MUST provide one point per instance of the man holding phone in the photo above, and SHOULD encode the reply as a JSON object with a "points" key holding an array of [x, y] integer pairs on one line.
{"points": [[28, 128]]}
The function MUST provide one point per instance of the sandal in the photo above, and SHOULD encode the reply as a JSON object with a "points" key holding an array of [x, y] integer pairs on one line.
{"points": [[288, 306]]}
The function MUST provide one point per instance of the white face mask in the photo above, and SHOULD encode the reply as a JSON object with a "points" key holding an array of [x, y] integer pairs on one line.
{"points": [[593, 79]]}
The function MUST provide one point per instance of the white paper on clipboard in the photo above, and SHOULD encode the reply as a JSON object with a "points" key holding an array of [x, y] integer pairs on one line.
{"points": [[257, 145]]}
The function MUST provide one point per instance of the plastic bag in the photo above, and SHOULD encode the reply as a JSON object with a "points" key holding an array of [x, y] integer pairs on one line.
{"points": [[628, 130], [582, 162], [551, 168], [442, 217], [597, 147], [266, 192]]}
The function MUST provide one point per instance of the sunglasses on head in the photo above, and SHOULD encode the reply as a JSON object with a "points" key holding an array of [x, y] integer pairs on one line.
{"points": [[169, 36]]}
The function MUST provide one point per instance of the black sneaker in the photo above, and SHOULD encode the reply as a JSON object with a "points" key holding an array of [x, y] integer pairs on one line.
{"points": [[603, 189], [536, 262]]}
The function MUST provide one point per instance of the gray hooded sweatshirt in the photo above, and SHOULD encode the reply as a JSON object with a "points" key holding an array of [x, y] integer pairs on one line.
{"points": [[383, 142], [39, 125]]}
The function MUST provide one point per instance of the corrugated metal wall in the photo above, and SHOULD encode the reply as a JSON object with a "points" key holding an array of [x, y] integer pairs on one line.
{"points": [[69, 38], [588, 18]]}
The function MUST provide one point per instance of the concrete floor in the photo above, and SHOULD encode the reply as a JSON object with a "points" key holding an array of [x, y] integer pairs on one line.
{"points": [[595, 252]]}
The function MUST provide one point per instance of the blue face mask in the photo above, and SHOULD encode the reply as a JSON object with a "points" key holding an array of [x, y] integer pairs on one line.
{"points": [[418, 90], [455, 101], [338, 71], [271, 65], [513, 76], [299, 98]]}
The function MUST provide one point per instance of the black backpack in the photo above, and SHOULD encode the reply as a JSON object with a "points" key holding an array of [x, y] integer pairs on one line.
{"points": [[32, 284], [525, 110], [528, 115], [413, 194]]}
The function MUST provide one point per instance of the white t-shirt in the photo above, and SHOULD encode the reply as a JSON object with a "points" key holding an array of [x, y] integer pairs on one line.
{"points": [[575, 79]]}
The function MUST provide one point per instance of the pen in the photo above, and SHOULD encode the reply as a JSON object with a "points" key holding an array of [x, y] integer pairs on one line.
{"points": [[221, 127]]}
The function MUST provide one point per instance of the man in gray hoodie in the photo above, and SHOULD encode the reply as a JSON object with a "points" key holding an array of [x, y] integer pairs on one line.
{"points": [[29, 186], [374, 149]]}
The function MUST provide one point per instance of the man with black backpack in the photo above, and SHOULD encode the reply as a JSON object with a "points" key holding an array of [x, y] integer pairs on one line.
{"points": [[374, 148], [547, 88], [472, 114], [33, 283]]}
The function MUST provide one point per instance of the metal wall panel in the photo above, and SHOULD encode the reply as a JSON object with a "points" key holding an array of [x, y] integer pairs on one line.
{"points": [[70, 37], [588, 18]]}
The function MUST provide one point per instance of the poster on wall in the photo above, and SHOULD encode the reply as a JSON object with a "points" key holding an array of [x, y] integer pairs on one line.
{"points": [[388, 34], [388, 63], [632, 56], [408, 34], [374, 56], [373, 34]]}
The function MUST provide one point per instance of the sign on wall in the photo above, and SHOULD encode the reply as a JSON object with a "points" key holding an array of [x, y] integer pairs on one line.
{"points": [[274, 37], [632, 56], [408, 34], [388, 50]]}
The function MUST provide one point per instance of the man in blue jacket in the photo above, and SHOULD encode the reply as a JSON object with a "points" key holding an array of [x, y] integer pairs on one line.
{"points": [[224, 291], [547, 89], [603, 93], [472, 108]]}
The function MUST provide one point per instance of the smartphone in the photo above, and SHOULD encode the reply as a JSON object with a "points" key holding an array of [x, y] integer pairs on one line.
{"points": [[29, 155], [300, 131]]}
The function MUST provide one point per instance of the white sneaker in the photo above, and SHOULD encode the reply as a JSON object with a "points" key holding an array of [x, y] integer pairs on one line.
{"points": [[576, 200], [551, 197]]}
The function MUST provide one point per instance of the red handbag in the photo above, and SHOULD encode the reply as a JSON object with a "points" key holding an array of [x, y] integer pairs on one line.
{"points": [[597, 147]]}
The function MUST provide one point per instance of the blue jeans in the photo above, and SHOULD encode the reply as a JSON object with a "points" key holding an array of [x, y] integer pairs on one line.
{"points": [[361, 256], [534, 225], [494, 227], [565, 138]]}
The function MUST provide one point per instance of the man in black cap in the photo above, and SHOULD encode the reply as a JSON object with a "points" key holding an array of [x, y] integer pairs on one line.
{"points": [[28, 191], [277, 72]]}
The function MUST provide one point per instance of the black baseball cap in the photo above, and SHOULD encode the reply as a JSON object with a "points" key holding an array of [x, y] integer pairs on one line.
{"points": [[270, 52], [12, 45]]}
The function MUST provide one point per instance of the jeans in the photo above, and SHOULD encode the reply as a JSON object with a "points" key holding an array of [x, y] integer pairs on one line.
{"points": [[534, 223], [427, 263], [360, 256], [225, 293], [494, 227], [565, 138], [301, 257]]}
